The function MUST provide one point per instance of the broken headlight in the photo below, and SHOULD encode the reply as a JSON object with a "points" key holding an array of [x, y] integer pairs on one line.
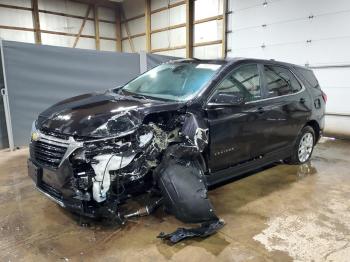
{"points": [[120, 124]]}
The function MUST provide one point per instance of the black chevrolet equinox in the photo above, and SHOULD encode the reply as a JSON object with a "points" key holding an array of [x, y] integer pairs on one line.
{"points": [[171, 133]]}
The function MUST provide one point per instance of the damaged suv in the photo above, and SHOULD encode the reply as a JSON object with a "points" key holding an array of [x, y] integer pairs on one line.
{"points": [[171, 133]]}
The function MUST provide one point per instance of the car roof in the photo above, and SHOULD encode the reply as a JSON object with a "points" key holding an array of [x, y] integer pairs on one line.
{"points": [[229, 61]]}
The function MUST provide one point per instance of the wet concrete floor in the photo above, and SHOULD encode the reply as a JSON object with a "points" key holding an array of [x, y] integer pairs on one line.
{"points": [[282, 213]]}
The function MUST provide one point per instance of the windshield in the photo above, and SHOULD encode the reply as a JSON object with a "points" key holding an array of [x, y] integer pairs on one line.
{"points": [[177, 81]]}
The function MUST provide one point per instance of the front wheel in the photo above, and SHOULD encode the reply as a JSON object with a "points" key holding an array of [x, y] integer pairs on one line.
{"points": [[303, 147]]}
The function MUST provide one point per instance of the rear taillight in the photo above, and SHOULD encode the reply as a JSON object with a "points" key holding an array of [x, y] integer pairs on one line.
{"points": [[324, 96]]}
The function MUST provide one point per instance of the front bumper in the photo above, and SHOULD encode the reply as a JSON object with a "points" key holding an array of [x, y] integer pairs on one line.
{"points": [[38, 174]]}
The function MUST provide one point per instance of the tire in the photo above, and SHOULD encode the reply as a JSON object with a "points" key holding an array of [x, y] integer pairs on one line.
{"points": [[303, 147]]}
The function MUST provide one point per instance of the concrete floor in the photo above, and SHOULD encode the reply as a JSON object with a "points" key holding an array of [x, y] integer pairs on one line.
{"points": [[283, 213]]}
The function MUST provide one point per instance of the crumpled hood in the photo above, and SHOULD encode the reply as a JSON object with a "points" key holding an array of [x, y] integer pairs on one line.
{"points": [[100, 115]]}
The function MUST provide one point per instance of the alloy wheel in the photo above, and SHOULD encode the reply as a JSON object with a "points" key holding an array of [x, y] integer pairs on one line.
{"points": [[305, 147]]}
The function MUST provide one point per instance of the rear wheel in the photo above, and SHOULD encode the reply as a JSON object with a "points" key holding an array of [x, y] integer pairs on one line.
{"points": [[303, 147]]}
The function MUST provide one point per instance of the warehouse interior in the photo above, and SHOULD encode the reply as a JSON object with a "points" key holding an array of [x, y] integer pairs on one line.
{"points": [[56, 49]]}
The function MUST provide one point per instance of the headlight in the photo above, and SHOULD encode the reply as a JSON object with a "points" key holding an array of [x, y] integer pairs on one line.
{"points": [[119, 124], [34, 135]]}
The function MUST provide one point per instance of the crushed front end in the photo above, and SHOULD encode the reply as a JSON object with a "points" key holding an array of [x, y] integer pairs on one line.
{"points": [[92, 164], [94, 177]]}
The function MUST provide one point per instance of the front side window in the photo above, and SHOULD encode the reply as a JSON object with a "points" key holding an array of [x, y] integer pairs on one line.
{"points": [[280, 81], [243, 82], [173, 81]]}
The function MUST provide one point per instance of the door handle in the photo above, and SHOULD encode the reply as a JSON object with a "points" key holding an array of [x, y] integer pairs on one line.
{"points": [[261, 110], [302, 100]]}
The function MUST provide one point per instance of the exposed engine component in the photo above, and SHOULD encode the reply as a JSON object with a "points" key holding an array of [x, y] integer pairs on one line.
{"points": [[102, 166]]}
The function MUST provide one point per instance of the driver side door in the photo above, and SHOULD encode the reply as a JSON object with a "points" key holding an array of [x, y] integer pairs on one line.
{"points": [[235, 131]]}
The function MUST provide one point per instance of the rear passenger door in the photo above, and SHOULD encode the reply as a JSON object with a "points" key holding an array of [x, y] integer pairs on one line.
{"points": [[286, 106]]}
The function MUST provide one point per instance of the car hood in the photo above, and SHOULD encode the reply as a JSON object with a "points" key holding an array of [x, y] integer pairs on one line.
{"points": [[100, 115]]}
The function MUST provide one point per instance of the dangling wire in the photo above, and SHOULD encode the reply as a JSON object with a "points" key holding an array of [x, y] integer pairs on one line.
{"points": [[118, 175], [103, 177], [120, 172]]}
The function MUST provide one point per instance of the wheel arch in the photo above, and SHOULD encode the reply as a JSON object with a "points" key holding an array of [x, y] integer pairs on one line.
{"points": [[316, 127]]}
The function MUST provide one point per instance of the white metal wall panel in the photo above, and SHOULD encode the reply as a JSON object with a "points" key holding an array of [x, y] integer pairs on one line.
{"points": [[18, 18], [65, 24], [335, 83], [14, 35], [156, 4], [208, 31], [107, 30], [106, 13], [133, 7], [107, 45], [175, 53], [139, 44], [207, 52], [172, 16], [207, 8], [136, 26], [337, 126], [67, 41], [23, 3], [169, 38], [14, 17], [63, 6], [239, 5], [126, 46]]}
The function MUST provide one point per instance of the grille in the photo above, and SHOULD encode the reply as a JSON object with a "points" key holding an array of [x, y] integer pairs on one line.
{"points": [[49, 152]]}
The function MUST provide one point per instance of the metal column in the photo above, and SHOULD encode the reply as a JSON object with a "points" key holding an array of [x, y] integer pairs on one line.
{"points": [[4, 93]]}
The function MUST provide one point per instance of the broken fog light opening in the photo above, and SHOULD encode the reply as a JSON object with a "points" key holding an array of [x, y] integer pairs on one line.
{"points": [[79, 155], [82, 181]]}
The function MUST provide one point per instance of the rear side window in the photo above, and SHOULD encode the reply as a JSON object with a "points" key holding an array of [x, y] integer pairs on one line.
{"points": [[280, 81], [309, 76]]}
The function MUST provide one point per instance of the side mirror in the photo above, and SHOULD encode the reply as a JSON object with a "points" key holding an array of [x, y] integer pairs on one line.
{"points": [[226, 99]]}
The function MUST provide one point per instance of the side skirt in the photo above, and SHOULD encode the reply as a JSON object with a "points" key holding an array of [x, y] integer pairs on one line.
{"points": [[237, 170]]}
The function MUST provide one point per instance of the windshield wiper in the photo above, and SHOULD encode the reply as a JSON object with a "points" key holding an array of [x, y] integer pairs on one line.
{"points": [[139, 96]]}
